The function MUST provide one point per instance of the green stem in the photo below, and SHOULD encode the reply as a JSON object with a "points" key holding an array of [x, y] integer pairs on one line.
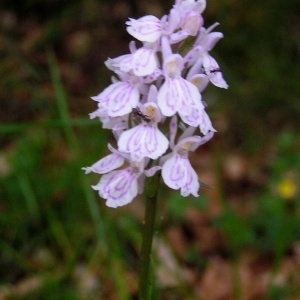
{"points": [[145, 286]]}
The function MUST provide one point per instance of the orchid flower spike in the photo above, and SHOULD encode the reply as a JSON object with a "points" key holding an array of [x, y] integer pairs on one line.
{"points": [[157, 91]]}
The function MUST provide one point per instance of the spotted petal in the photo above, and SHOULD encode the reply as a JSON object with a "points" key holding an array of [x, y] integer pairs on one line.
{"points": [[119, 98], [118, 187], [145, 29], [214, 72], [176, 93], [142, 62], [143, 141], [178, 173], [205, 124], [106, 164], [191, 115]]}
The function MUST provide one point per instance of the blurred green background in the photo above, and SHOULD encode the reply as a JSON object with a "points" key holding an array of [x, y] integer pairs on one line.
{"points": [[239, 240]]}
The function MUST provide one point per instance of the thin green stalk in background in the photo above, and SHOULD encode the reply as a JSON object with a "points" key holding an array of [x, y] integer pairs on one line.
{"points": [[73, 144], [145, 282], [31, 201], [58, 231]]}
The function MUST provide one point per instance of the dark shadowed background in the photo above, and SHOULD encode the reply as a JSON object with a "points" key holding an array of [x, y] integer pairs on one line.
{"points": [[239, 240]]}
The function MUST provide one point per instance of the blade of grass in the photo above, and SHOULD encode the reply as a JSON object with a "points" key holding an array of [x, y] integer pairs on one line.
{"points": [[28, 194], [61, 101], [59, 233], [73, 144], [17, 257]]}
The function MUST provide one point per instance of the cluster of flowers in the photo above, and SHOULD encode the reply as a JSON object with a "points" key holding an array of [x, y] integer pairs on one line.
{"points": [[156, 82]]}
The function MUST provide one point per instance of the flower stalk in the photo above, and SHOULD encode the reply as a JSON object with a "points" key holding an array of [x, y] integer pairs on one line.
{"points": [[145, 282]]}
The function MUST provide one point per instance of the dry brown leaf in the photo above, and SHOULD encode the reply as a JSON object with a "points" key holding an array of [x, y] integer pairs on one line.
{"points": [[168, 271], [216, 282]]}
